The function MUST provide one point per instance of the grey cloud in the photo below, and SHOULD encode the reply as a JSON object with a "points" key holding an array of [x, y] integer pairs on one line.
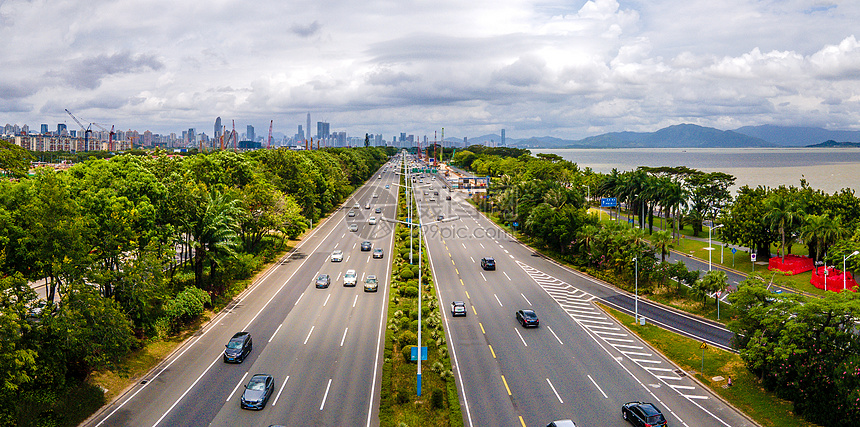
{"points": [[390, 78], [17, 90], [526, 71], [306, 30], [14, 106], [89, 72]]}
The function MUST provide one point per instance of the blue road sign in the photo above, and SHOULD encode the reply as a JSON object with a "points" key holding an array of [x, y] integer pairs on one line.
{"points": [[415, 353], [608, 202], [516, 224], [734, 251]]}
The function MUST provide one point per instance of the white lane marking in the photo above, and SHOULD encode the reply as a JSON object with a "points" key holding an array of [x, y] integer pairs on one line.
{"points": [[598, 387], [556, 336], [482, 246], [183, 394], [338, 277], [368, 259], [512, 257], [347, 258], [464, 245], [275, 402], [276, 332], [527, 300], [326, 300], [473, 259], [484, 277], [344, 336], [506, 251], [342, 236], [230, 396], [362, 276], [354, 301], [497, 299], [325, 396], [354, 244], [521, 337], [553, 390], [300, 298], [506, 275], [309, 335]]}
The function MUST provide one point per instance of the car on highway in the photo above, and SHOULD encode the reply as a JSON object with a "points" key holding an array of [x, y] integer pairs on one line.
{"points": [[387, 186], [337, 256], [350, 278], [378, 210], [488, 263], [432, 199], [377, 253], [378, 176], [440, 217], [353, 227], [351, 213], [238, 347], [323, 281], [447, 197], [375, 195], [527, 318], [257, 391], [458, 308], [371, 284], [366, 245], [642, 414], [561, 423], [356, 205], [367, 206]]}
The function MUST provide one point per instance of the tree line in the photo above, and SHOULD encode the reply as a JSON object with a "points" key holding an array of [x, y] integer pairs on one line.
{"points": [[130, 248]]}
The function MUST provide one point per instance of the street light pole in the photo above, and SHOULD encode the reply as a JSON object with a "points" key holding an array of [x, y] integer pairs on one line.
{"points": [[845, 276], [711, 248], [636, 290], [419, 309]]}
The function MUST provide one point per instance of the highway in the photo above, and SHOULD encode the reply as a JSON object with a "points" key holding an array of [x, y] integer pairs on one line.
{"points": [[579, 364], [322, 346]]}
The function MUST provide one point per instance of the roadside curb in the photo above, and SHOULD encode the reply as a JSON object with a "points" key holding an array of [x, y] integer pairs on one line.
{"points": [[692, 377]]}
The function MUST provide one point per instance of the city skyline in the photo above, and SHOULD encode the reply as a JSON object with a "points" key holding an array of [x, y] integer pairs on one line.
{"points": [[554, 68]]}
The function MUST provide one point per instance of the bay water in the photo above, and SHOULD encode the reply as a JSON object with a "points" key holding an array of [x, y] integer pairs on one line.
{"points": [[827, 169]]}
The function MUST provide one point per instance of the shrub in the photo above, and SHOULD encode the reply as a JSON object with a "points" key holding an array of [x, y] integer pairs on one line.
{"points": [[406, 273], [409, 292], [437, 399], [407, 353], [406, 338], [402, 397]]}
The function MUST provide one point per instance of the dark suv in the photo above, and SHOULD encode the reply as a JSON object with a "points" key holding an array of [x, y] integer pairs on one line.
{"points": [[642, 414], [488, 263], [238, 347]]}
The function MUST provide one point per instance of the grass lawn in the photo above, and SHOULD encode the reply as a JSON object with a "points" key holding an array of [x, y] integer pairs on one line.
{"points": [[745, 393]]}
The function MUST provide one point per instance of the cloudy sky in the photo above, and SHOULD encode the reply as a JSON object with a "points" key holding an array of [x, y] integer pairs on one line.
{"points": [[568, 69]]}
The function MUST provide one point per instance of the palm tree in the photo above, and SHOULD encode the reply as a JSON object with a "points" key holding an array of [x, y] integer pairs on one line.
{"points": [[662, 240], [782, 214], [819, 231], [213, 232]]}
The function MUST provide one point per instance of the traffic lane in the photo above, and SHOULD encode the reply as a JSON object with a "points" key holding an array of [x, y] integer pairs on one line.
{"points": [[319, 345], [696, 264], [477, 374]]}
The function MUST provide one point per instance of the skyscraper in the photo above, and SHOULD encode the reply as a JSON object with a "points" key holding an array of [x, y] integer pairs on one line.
{"points": [[192, 136], [250, 134], [308, 127], [217, 128], [44, 129], [61, 127], [503, 137], [323, 130]]}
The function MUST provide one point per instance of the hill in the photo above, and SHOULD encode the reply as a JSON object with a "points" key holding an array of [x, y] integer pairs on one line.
{"points": [[798, 136]]}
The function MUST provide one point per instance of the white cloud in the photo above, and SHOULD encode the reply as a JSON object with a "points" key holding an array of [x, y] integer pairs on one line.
{"points": [[535, 68]]}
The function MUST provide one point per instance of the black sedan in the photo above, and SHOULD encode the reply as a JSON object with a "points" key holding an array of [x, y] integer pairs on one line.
{"points": [[366, 245], [238, 347], [257, 392], [642, 414], [323, 281], [488, 263], [527, 318]]}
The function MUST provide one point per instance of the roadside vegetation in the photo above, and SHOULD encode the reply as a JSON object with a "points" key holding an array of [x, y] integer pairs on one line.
{"points": [[439, 403], [136, 250], [802, 346]]}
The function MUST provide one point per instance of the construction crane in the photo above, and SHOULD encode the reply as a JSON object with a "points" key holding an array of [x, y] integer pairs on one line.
{"points": [[110, 132], [269, 144], [86, 129]]}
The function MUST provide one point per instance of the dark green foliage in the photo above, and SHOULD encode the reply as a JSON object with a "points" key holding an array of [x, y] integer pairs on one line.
{"points": [[402, 397], [437, 399]]}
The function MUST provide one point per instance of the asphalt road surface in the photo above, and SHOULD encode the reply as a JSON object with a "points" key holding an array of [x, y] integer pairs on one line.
{"points": [[322, 346], [579, 364]]}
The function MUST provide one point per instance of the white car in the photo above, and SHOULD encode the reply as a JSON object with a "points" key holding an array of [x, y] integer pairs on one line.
{"points": [[375, 195], [349, 279], [371, 220], [337, 256], [367, 206]]}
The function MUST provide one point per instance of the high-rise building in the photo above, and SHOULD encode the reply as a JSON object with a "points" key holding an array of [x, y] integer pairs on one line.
{"points": [[192, 136], [300, 135], [503, 137], [249, 134], [218, 128], [308, 128], [44, 129], [323, 130], [61, 128]]}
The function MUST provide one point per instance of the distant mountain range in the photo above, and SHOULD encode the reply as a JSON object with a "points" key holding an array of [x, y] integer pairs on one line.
{"points": [[691, 136]]}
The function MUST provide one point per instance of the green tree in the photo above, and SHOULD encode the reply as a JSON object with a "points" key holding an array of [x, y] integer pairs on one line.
{"points": [[662, 241], [213, 231], [711, 282], [14, 160], [782, 214], [746, 224]]}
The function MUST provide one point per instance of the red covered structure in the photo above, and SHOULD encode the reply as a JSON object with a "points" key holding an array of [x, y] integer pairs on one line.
{"points": [[834, 280], [793, 264]]}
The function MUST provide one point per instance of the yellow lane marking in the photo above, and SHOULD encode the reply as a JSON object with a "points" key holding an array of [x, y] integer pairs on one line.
{"points": [[474, 311], [467, 295], [506, 386], [452, 262], [482, 329], [491, 351], [461, 280], [457, 271], [522, 422]]}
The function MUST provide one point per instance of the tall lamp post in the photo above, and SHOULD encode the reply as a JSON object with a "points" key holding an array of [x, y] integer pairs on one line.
{"points": [[845, 276], [636, 290], [711, 248]]}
